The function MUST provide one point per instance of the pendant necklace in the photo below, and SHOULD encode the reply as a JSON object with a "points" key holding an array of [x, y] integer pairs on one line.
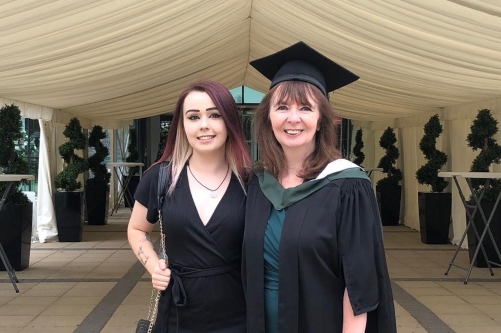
{"points": [[213, 193]]}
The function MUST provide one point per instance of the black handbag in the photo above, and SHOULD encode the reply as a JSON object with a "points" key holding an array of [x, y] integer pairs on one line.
{"points": [[143, 326], [147, 325]]}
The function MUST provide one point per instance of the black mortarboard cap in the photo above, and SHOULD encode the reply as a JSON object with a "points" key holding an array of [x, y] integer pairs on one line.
{"points": [[300, 62]]}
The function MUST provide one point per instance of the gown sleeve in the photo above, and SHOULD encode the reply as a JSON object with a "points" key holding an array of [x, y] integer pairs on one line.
{"points": [[362, 253], [146, 193]]}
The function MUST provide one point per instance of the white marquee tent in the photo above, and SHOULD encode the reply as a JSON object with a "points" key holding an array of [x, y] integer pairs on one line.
{"points": [[108, 62]]}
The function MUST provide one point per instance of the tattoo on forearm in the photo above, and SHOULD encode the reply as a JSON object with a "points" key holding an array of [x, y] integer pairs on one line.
{"points": [[142, 256], [147, 238]]}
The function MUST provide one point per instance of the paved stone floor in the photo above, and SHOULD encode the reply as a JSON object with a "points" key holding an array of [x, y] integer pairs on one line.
{"points": [[97, 286]]}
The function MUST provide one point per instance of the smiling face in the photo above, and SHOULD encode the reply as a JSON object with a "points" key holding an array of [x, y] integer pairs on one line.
{"points": [[203, 124], [295, 124]]}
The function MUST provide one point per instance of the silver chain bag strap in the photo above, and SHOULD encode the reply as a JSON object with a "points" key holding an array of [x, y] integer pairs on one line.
{"points": [[147, 325]]}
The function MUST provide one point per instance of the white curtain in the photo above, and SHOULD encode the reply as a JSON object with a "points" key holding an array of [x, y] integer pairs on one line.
{"points": [[46, 225]]}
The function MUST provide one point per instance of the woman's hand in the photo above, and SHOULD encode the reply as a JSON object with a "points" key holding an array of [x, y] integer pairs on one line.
{"points": [[161, 275]]}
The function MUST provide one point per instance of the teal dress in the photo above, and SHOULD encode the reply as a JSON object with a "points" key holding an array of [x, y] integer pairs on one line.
{"points": [[271, 268]]}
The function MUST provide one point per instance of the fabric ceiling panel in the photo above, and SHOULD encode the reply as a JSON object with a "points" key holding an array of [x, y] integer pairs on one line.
{"points": [[129, 59], [161, 99], [90, 58], [412, 56]]}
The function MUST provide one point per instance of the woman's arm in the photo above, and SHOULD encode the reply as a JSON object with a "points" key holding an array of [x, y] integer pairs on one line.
{"points": [[138, 233], [352, 323]]}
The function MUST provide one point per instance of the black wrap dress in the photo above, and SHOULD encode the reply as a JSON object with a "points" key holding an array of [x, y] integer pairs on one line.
{"points": [[205, 293], [305, 245]]}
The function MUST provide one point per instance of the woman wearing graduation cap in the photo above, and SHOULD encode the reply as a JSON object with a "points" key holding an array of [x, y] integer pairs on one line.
{"points": [[313, 255]]}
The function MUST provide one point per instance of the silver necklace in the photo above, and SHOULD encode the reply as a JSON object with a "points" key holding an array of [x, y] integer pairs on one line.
{"points": [[213, 193]]}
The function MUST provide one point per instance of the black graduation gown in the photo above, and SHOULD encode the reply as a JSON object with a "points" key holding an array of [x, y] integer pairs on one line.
{"points": [[331, 240], [205, 260]]}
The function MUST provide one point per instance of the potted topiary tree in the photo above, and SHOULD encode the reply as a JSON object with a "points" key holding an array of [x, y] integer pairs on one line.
{"points": [[97, 187], [434, 206], [388, 189], [68, 198], [16, 213], [133, 176], [357, 148], [481, 138]]}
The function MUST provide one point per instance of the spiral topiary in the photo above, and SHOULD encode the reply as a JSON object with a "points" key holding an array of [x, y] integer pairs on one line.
{"points": [[428, 173], [357, 149], [388, 161], [481, 137], [66, 180], [101, 176]]}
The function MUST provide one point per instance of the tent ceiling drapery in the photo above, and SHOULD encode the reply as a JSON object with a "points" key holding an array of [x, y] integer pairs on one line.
{"points": [[129, 59]]}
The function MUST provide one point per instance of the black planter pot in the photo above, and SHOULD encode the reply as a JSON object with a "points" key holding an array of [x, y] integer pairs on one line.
{"points": [[15, 234], [434, 217], [69, 216], [130, 190], [97, 201], [495, 227], [389, 203]]}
